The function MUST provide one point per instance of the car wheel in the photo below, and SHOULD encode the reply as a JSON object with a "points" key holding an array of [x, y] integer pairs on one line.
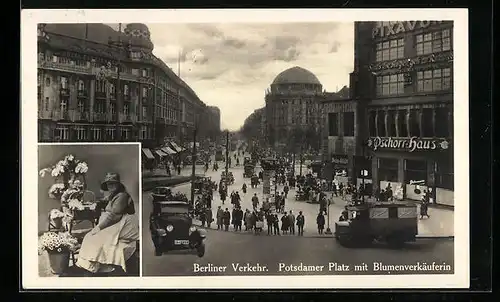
{"points": [[200, 250]]}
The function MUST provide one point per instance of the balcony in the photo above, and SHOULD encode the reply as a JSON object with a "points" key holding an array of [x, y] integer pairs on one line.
{"points": [[58, 115], [100, 116], [64, 67], [83, 94], [64, 91], [77, 115], [45, 114], [100, 95], [127, 118]]}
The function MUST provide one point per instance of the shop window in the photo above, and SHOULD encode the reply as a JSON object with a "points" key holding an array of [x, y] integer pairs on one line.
{"points": [[348, 123], [402, 123], [414, 123], [415, 170], [391, 123], [381, 124], [427, 122], [388, 169], [333, 127], [444, 177], [372, 123], [442, 122]]}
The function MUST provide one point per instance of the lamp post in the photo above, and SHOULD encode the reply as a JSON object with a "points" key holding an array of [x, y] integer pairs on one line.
{"points": [[328, 230], [193, 159]]}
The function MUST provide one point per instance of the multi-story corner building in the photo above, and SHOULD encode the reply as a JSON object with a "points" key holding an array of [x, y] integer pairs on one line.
{"points": [[97, 84], [402, 85], [292, 103]]}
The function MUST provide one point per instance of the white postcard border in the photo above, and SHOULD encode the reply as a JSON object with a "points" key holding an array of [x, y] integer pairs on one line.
{"points": [[29, 20]]}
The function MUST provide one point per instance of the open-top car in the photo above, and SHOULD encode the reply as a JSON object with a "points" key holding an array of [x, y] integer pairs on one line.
{"points": [[161, 193], [172, 228]]}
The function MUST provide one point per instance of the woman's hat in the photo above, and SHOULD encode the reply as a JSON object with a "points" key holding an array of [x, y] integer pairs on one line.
{"points": [[111, 177]]}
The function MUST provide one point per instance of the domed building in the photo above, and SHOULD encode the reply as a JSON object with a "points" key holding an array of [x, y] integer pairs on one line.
{"points": [[292, 108]]}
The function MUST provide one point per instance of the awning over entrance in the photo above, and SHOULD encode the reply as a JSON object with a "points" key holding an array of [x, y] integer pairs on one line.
{"points": [[168, 150], [177, 148], [148, 153], [161, 153]]}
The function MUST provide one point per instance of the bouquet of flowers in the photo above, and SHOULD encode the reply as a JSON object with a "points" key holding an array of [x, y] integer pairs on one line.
{"points": [[78, 205], [69, 173], [57, 242]]}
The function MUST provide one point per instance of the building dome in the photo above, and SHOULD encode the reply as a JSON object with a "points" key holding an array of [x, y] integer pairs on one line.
{"points": [[139, 35], [296, 75]]}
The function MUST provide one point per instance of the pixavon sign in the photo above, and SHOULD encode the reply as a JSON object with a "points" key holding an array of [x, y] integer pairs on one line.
{"points": [[392, 28], [410, 144]]}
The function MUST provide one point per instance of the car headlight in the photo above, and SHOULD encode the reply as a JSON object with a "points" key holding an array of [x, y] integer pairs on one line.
{"points": [[192, 229], [170, 228]]}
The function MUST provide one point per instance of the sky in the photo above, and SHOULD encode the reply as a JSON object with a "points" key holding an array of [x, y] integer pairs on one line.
{"points": [[230, 65]]}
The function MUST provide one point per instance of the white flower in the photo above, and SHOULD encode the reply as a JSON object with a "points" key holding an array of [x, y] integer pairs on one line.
{"points": [[44, 171], [55, 189], [81, 168], [76, 204], [69, 157], [55, 213]]}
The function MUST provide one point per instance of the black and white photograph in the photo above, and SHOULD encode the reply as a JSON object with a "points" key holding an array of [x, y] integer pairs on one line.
{"points": [[88, 201], [253, 147]]}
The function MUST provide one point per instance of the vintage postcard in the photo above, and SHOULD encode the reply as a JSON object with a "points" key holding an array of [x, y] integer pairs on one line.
{"points": [[251, 149]]}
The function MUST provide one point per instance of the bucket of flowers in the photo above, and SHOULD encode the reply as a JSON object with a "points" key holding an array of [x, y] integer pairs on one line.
{"points": [[58, 247], [58, 220]]}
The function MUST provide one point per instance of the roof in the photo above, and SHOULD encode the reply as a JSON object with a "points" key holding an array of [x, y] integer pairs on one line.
{"points": [[296, 75], [71, 37], [172, 203]]}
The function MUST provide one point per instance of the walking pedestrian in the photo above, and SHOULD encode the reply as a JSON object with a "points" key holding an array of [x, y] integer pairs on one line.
{"points": [[320, 221], [226, 219], [270, 224], [203, 217], [301, 220], [255, 201], [209, 217], [285, 190], [291, 222], [219, 215], [238, 217], [276, 225], [285, 222]]}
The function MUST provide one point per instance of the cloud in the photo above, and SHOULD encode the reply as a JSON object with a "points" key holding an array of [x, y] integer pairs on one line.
{"points": [[231, 65]]}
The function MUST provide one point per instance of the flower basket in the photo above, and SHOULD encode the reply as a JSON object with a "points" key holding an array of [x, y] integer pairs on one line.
{"points": [[59, 261], [58, 246]]}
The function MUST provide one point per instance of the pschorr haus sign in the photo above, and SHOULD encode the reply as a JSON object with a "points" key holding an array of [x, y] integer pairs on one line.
{"points": [[409, 144]]}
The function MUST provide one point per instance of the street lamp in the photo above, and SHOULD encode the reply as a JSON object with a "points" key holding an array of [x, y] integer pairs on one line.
{"points": [[193, 159]]}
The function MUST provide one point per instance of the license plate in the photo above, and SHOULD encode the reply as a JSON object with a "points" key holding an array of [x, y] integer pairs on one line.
{"points": [[181, 242]]}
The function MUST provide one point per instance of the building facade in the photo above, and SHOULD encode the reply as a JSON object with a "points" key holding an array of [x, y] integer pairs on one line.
{"points": [[292, 109], [91, 90], [402, 85]]}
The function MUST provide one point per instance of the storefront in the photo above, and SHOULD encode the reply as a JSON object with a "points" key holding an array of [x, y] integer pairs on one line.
{"points": [[342, 168], [410, 166]]}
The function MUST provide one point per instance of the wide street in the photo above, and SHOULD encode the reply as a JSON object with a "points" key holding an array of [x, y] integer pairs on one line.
{"points": [[227, 248]]}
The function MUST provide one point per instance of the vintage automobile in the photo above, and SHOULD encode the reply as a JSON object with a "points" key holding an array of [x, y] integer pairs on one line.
{"points": [[202, 183], [249, 170], [172, 228], [229, 176], [393, 223], [161, 193]]}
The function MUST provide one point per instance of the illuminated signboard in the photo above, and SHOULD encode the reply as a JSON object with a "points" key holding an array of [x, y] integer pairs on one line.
{"points": [[387, 29], [410, 144]]}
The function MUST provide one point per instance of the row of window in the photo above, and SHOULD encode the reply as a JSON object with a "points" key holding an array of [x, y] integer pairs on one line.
{"points": [[427, 43], [144, 72], [416, 170], [426, 122], [336, 119], [434, 80]]}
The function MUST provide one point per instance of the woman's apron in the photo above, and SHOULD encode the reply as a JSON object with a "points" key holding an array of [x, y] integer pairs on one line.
{"points": [[112, 246]]}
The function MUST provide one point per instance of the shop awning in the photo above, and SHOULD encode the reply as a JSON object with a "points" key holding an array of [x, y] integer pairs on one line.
{"points": [[177, 148], [148, 153], [161, 153], [168, 150]]}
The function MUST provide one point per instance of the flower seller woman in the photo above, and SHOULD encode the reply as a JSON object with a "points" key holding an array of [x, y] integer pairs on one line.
{"points": [[113, 241]]}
